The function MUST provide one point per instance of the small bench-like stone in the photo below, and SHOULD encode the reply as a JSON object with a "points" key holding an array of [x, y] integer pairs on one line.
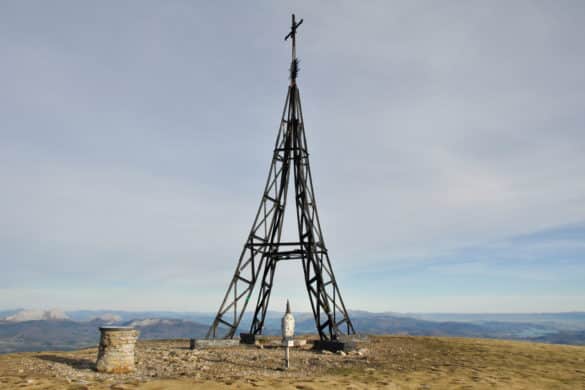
{"points": [[213, 343]]}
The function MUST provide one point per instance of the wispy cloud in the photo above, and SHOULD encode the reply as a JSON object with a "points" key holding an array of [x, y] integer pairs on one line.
{"points": [[446, 144]]}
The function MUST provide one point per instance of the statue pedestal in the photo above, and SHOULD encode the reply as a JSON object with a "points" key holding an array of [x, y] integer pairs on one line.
{"points": [[288, 343]]}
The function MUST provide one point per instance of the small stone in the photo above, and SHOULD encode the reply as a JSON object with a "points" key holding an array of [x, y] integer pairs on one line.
{"points": [[326, 352], [341, 353]]}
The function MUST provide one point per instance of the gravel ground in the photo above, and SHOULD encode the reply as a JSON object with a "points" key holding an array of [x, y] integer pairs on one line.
{"points": [[385, 362]]}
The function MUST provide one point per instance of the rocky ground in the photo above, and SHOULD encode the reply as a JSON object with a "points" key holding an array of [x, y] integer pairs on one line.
{"points": [[388, 362]]}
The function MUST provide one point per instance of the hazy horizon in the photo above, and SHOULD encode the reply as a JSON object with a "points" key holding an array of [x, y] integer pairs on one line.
{"points": [[276, 310]]}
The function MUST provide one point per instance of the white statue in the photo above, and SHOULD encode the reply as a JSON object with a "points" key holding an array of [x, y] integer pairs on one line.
{"points": [[288, 324], [288, 332]]}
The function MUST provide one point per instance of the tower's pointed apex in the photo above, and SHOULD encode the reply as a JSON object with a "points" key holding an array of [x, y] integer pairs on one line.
{"points": [[294, 65], [287, 307]]}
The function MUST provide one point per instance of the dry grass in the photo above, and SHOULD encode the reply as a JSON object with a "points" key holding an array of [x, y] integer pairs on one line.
{"points": [[391, 362]]}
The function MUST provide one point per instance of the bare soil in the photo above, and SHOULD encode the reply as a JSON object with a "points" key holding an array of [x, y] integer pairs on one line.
{"points": [[383, 362]]}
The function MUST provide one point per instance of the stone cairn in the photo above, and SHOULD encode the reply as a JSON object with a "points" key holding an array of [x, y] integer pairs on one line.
{"points": [[116, 350]]}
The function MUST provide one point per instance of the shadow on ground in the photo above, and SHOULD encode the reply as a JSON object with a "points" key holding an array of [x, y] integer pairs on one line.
{"points": [[77, 363]]}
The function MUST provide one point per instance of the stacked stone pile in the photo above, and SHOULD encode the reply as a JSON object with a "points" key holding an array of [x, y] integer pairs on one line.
{"points": [[116, 350]]}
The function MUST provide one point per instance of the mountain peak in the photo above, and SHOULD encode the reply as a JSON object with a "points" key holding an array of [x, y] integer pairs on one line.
{"points": [[38, 315]]}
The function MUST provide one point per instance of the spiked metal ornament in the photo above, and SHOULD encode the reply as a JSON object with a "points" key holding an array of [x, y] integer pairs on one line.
{"points": [[264, 249]]}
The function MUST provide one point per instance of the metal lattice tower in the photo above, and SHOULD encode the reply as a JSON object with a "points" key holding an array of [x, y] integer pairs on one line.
{"points": [[264, 249]]}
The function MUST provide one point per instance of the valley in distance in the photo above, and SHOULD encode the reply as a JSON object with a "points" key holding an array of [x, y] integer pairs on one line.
{"points": [[42, 330]]}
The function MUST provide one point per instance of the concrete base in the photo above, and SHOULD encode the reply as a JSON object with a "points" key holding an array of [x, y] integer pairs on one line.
{"points": [[300, 342], [213, 343], [248, 338], [335, 345], [345, 343]]}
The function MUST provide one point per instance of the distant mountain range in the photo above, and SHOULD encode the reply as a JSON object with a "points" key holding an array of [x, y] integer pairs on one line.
{"points": [[36, 315], [36, 330]]}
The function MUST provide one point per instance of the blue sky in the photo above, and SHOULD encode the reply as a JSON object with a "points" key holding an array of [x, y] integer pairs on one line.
{"points": [[447, 147]]}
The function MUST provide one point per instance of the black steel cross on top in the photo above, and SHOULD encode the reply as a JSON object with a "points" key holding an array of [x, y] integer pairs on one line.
{"points": [[292, 34]]}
